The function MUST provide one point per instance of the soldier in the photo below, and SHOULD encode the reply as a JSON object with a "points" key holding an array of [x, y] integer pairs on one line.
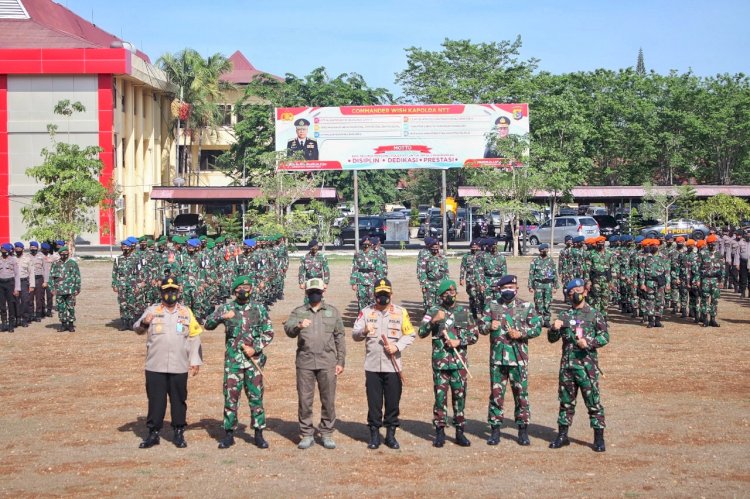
{"points": [[740, 258], [321, 355], [191, 275], [700, 248], [711, 271], [452, 329], [689, 292], [313, 265], [637, 296], [510, 324], [675, 257], [364, 269], [380, 256], [423, 254], [542, 279], [625, 273], [173, 349], [41, 273], [471, 279], [583, 331], [730, 244], [65, 279], [600, 275], [248, 331], [387, 331], [10, 288], [434, 270], [26, 272], [124, 279], [494, 267], [577, 258], [49, 259], [564, 264], [654, 280]]}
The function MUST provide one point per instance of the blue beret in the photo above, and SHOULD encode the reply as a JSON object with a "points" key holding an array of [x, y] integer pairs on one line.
{"points": [[19, 244], [639, 239], [490, 241], [374, 239], [614, 239], [578, 239], [568, 237], [250, 243], [125, 242], [668, 237], [543, 246], [312, 243], [7, 247], [574, 283], [194, 242], [132, 240], [507, 279], [46, 246], [33, 244], [60, 242], [476, 242]]}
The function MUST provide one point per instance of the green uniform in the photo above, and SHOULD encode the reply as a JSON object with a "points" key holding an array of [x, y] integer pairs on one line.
{"points": [[470, 275], [711, 265], [124, 279], [364, 269], [600, 275], [313, 265], [542, 279], [65, 281], [433, 271], [654, 274], [494, 267]]}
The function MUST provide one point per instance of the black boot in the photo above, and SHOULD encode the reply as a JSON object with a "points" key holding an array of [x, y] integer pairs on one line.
{"points": [[151, 440], [38, 318], [562, 438], [523, 435], [62, 327], [461, 438], [390, 438], [650, 321], [179, 438], [3, 326], [374, 442], [260, 442], [599, 440], [705, 319], [634, 315], [439, 437], [713, 322], [71, 327], [494, 435], [227, 441], [657, 322], [684, 314]]}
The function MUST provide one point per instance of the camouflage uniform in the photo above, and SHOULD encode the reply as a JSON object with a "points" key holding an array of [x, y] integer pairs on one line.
{"points": [[600, 275], [143, 270], [382, 259], [654, 274], [580, 368], [449, 365], [364, 269], [542, 278], [637, 300], [313, 265], [470, 274], [124, 280], [673, 255], [691, 281], [711, 267], [65, 281], [434, 270], [565, 264], [250, 326], [509, 358], [494, 267]]}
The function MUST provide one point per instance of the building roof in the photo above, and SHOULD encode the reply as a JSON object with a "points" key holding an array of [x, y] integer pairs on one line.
{"points": [[243, 71], [226, 194], [615, 192], [50, 25]]}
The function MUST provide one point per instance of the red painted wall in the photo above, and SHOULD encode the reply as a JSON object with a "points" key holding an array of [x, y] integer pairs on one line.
{"points": [[106, 142], [4, 162]]}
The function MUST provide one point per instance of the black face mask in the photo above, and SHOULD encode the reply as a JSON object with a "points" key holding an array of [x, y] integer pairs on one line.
{"points": [[382, 300], [4, 254], [654, 250], [313, 251], [169, 297], [63, 257], [448, 301], [434, 251], [711, 247], [315, 297], [33, 252], [577, 298], [543, 254], [507, 295], [242, 296], [19, 254]]}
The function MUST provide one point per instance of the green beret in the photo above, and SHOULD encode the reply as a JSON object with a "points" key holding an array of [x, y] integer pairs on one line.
{"points": [[64, 248], [240, 280], [203, 237], [445, 285], [162, 239], [142, 238], [220, 239], [210, 245], [149, 242], [178, 240]]}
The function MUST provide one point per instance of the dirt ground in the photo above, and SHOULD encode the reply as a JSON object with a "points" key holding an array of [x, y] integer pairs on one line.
{"points": [[677, 404]]}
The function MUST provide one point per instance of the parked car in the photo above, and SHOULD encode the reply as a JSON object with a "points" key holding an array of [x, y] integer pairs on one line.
{"points": [[423, 209], [596, 210], [434, 228], [394, 215], [567, 211], [188, 225], [369, 225], [608, 225], [679, 227], [565, 226]]}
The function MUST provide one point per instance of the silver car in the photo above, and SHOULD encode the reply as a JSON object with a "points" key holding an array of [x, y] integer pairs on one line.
{"points": [[564, 226], [678, 227]]}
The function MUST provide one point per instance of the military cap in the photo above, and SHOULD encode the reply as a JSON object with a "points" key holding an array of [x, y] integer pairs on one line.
{"points": [[578, 239], [301, 122], [574, 283], [7, 247], [64, 249], [476, 242], [638, 239], [162, 239], [668, 237], [711, 239], [149, 242], [220, 239], [315, 283], [169, 283], [178, 240], [365, 240], [543, 246], [614, 239], [313, 243], [445, 285], [250, 243], [626, 238], [210, 244], [374, 240], [19, 244], [240, 280], [133, 239], [194, 243], [568, 238], [33, 244], [679, 239], [690, 242], [203, 237], [507, 279], [142, 238], [600, 239], [60, 243], [46, 246], [125, 242], [383, 285], [700, 243], [503, 120]]}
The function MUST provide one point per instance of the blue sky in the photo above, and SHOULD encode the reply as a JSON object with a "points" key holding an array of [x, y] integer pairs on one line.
{"points": [[370, 37]]}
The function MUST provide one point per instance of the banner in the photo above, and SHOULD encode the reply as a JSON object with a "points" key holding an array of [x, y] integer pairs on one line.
{"points": [[390, 137]]}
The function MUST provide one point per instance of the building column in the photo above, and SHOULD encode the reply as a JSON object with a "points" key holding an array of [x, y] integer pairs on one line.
{"points": [[139, 154], [4, 162], [106, 124], [129, 162], [148, 168]]}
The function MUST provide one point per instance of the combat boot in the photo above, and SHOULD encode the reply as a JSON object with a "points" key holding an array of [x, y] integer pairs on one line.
{"points": [[390, 438], [38, 318], [179, 438], [374, 442], [523, 435], [650, 321], [461, 438], [657, 322], [227, 441], [62, 327], [494, 438], [71, 327], [599, 440], [260, 442], [706, 321], [151, 440], [713, 322], [634, 315], [439, 437], [562, 438], [684, 314], [3, 326]]}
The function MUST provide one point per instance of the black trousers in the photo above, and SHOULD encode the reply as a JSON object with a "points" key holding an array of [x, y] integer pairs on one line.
{"points": [[158, 386], [24, 301], [382, 388], [7, 300], [743, 275], [37, 300]]}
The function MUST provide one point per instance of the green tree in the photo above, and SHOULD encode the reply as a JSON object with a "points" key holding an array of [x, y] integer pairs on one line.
{"points": [[325, 216], [65, 205], [658, 202], [723, 209], [640, 66]]}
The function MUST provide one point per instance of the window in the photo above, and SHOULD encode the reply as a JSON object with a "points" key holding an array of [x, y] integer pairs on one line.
{"points": [[225, 111], [183, 158], [209, 159], [560, 222]]}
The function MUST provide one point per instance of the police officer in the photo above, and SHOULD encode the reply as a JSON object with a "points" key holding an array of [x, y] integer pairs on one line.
{"points": [[387, 331], [308, 148], [173, 349], [10, 287], [41, 273], [26, 272], [741, 257], [502, 125]]}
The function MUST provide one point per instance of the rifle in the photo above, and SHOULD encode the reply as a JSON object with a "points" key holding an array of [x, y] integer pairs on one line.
{"points": [[456, 354], [393, 360]]}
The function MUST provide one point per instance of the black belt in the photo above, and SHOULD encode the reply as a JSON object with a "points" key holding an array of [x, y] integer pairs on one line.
{"points": [[24, 278], [3, 279]]}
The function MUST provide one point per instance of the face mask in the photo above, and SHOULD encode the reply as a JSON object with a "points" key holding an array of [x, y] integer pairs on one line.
{"points": [[242, 296], [654, 250], [45, 252], [473, 250], [313, 251], [448, 301], [169, 297], [19, 254], [711, 247], [680, 246], [507, 295], [34, 252], [434, 251], [63, 257], [315, 297], [382, 300], [4, 254], [576, 298], [543, 254]]}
